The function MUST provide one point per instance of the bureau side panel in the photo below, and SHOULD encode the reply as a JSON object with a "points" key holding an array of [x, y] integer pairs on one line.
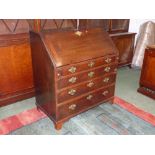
{"points": [[43, 72]]}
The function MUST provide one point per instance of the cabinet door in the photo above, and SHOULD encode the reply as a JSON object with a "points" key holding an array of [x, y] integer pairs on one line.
{"points": [[125, 46], [15, 69], [148, 70]]}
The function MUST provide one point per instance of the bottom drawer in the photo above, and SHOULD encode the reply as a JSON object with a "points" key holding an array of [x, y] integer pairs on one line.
{"points": [[85, 102]]}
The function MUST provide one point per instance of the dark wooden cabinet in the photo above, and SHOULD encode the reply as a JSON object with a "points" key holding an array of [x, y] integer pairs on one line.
{"points": [[125, 45], [71, 74], [147, 79]]}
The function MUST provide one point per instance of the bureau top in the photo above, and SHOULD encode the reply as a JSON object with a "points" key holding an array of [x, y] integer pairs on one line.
{"points": [[68, 47]]}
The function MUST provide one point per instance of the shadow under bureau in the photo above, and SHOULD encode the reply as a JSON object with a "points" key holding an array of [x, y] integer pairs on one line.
{"points": [[73, 71]]}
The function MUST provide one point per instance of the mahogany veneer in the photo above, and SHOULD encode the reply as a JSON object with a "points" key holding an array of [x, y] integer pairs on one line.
{"points": [[147, 79], [73, 72]]}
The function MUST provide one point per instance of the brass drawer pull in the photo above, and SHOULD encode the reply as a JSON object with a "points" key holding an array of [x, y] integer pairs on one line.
{"points": [[90, 84], [105, 93], [72, 69], [106, 80], [72, 107], [72, 80], [91, 74], [89, 97], [107, 69], [91, 64], [72, 92], [108, 60]]}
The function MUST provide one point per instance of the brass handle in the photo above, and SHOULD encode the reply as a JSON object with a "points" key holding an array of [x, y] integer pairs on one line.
{"points": [[72, 92], [105, 93], [72, 80], [72, 107], [91, 64], [108, 60], [107, 69], [90, 84], [72, 69], [89, 97], [91, 74], [106, 80]]}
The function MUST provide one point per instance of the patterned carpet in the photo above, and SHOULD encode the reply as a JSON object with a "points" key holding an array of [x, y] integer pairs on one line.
{"points": [[105, 119]]}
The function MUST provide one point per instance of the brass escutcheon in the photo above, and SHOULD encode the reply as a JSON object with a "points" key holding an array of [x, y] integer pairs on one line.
{"points": [[72, 92], [72, 80], [106, 79], [89, 97], [90, 84], [108, 60], [72, 107], [105, 92], [91, 74], [107, 69], [91, 64], [72, 69]]}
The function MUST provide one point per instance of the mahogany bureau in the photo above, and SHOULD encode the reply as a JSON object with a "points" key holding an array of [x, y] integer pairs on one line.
{"points": [[147, 79], [73, 71]]}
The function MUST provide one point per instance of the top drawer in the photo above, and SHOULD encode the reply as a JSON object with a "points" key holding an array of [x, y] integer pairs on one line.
{"points": [[71, 69]]}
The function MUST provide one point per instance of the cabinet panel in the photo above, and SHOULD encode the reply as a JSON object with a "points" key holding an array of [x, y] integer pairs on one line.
{"points": [[15, 72], [125, 45], [148, 71], [147, 79]]}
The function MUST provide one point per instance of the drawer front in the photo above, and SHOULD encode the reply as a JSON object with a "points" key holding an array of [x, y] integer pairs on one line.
{"points": [[85, 87], [85, 76], [71, 69], [85, 102]]}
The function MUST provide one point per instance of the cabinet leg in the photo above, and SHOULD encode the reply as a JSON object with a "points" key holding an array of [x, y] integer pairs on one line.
{"points": [[58, 126]]}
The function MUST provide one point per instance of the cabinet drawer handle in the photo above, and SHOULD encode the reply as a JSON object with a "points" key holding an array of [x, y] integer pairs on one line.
{"points": [[107, 69], [72, 69], [108, 60], [89, 97], [105, 93], [72, 80], [91, 74], [106, 80], [91, 64], [90, 84], [72, 92], [72, 107]]}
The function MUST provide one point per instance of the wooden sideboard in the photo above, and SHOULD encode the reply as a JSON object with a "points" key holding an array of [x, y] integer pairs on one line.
{"points": [[71, 74], [147, 79], [125, 45]]}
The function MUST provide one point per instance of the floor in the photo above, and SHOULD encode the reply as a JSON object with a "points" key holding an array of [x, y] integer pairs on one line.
{"points": [[126, 88], [104, 119]]}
